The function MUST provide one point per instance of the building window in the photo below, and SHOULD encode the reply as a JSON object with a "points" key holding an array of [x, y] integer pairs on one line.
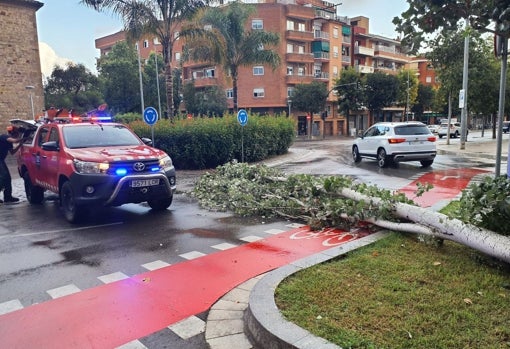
{"points": [[290, 70], [301, 27], [301, 49], [177, 56], [257, 24], [136, 46], [290, 48], [290, 92], [230, 93], [155, 41], [335, 32], [258, 92], [209, 73], [335, 71], [176, 35], [290, 25], [335, 51], [146, 43], [301, 71], [428, 79], [258, 70]]}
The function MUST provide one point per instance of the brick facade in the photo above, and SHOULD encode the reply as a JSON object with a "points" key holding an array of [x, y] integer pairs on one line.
{"points": [[20, 62]]}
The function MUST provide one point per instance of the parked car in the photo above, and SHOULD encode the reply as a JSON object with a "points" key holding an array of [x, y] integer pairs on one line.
{"points": [[389, 142], [506, 126], [433, 128], [442, 131]]}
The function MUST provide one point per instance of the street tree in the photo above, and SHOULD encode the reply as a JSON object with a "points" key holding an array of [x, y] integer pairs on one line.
{"points": [[426, 18], [219, 36], [119, 73], [407, 89], [210, 101], [424, 99], [160, 18], [381, 91], [310, 97], [73, 87], [349, 91]]}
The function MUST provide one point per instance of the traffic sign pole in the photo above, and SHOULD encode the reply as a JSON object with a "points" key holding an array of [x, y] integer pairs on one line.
{"points": [[150, 116], [242, 118]]}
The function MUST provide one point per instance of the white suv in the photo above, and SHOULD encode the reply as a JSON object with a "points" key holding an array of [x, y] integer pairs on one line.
{"points": [[442, 131], [389, 142]]}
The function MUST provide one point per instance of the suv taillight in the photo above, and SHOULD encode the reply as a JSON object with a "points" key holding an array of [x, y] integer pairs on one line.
{"points": [[396, 140], [431, 139]]}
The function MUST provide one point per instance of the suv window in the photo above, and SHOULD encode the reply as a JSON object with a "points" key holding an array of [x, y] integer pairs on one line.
{"points": [[410, 130]]}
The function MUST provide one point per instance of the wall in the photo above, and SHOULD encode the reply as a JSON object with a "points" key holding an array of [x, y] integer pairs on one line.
{"points": [[20, 63]]}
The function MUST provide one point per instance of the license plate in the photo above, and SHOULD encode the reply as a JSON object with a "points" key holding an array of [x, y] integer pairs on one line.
{"points": [[137, 183]]}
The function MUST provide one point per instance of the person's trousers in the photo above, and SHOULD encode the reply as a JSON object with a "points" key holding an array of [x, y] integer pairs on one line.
{"points": [[5, 180]]}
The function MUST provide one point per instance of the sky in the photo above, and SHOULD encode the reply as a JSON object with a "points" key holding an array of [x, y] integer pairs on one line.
{"points": [[67, 29]]}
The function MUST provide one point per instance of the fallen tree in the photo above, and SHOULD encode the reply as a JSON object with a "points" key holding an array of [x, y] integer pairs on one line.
{"points": [[335, 201]]}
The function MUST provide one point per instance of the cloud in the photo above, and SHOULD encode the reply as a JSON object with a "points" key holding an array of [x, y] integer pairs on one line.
{"points": [[50, 59]]}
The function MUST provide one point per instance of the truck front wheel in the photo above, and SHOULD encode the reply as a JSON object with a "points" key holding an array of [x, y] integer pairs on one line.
{"points": [[35, 194], [160, 204], [68, 203]]}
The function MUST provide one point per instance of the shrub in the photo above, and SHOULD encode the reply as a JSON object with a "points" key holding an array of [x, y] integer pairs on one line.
{"points": [[486, 204], [202, 143]]}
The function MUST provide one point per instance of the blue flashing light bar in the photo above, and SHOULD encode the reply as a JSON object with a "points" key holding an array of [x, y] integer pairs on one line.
{"points": [[121, 172]]}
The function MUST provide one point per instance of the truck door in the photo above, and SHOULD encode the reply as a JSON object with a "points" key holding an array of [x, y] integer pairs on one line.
{"points": [[49, 160]]}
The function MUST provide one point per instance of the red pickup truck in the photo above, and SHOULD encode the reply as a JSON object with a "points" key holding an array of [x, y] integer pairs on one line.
{"points": [[92, 164]]}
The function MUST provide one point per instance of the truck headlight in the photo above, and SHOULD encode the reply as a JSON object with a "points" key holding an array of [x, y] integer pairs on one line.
{"points": [[165, 162], [90, 167]]}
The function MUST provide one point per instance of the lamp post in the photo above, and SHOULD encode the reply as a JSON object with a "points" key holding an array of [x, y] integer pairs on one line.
{"points": [[407, 102], [31, 96], [289, 103]]}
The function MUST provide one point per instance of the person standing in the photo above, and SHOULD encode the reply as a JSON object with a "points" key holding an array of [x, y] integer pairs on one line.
{"points": [[7, 142]]}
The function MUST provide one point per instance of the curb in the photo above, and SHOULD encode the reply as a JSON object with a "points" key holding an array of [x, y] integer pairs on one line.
{"points": [[265, 325]]}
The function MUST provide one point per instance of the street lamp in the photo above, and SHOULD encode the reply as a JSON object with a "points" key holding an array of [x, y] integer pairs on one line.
{"points": [[289, 103], [31, 88], [407, 102]]}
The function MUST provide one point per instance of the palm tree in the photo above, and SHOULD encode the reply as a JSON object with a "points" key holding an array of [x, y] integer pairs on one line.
{"points": [[219, 37], [160, 18]]}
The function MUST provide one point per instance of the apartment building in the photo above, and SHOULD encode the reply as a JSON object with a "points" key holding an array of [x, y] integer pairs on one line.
{"points": [[316, 44]]}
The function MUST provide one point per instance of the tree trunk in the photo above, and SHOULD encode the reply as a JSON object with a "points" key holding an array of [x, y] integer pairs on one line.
{"points": [[441, 226]]}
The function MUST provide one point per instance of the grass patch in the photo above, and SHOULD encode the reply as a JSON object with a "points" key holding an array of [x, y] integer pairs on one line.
{"points": [[400, 293]]}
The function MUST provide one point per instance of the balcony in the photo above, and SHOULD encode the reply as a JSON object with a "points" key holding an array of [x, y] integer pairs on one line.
{"points": [[300, 57], [319, 34], [364, 51], [298, 11], [321, 76], [299, 79], [321, 56], [203, 82], [364, 69], [297, 35]]}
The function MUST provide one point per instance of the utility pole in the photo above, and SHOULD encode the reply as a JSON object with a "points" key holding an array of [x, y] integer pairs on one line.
{"points": [[463, 115]]}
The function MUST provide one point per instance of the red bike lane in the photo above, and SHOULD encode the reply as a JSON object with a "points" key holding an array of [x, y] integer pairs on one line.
{"points": [[117, 313]]}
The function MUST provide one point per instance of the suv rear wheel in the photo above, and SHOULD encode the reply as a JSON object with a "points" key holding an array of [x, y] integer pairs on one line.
{"points": [[426, 163]]}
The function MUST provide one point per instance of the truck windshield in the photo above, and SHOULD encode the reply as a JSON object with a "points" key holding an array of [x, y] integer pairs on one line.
{"points": [[98, 135]]}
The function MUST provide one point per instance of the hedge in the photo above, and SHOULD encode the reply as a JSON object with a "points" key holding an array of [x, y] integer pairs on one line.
{"points": [[205, 143]]}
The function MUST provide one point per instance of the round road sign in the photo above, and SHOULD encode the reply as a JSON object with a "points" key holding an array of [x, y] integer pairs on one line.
{"points": [[242, 117], [150, 115]]}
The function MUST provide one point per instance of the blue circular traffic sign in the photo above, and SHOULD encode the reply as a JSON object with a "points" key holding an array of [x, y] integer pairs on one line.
{"points": [[150, 115], [242, 117]]}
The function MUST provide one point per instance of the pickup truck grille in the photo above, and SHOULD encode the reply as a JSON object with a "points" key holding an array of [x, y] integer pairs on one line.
{"points": [[135, 167]]}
